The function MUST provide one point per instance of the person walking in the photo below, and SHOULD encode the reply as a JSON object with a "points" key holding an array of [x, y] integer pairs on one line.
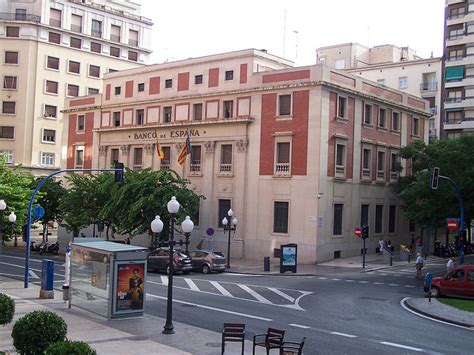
{"points": [[419, 265], [381, 246], [450, 265]]}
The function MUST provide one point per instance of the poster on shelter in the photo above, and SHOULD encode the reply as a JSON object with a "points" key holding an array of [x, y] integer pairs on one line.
{"points": [[289, 256], [129, 290]]}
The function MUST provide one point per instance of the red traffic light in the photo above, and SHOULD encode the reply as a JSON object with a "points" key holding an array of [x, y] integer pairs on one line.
{"points": [[358, 232]]}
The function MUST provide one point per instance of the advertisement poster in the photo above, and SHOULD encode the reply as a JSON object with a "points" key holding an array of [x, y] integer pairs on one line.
{"points": [[129, 290], [289, 256]]}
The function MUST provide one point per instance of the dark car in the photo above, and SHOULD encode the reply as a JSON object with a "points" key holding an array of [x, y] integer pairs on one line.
{"points": [[459, 282], [207, 261], [158, 260]]}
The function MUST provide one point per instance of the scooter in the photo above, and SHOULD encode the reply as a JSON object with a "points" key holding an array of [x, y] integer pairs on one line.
{"points": [[43, 248], [53, 248]]}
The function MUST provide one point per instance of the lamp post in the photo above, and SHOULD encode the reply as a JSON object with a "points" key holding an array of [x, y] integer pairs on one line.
{"points": [[187, 226], [12, 219], [229, 227], [156, 228], [173, 208], [3, 206]]}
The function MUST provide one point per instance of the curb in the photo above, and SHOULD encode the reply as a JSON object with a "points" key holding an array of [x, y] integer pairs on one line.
{"points": [[267, 273], [429, 315]]}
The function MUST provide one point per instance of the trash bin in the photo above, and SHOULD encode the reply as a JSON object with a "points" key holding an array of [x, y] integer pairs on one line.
{"points": [[266, 263]]}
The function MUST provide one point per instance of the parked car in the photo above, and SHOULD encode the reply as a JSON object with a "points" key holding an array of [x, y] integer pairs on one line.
{"points": [[459, 282], [158, 260], [207, 261]]}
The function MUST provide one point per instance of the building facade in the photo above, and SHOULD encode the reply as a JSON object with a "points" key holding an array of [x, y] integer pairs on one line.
{"points": [[56, 49], [458, 69], [301, 155]]}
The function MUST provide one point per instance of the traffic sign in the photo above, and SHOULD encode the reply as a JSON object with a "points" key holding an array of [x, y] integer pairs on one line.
{"points": [[210, 231], [358, 232], [38, 212], [452, 224]]}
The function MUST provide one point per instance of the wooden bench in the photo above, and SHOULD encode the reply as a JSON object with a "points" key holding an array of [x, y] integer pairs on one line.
{"points": [[272, 339], [233, 332]]}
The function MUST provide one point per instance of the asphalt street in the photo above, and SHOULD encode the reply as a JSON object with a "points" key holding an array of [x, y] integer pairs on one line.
{"points": [[340, 311]]}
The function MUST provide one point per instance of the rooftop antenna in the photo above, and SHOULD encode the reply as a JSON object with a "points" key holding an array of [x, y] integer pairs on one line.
{"points": [[296, 45], [284, 33]]}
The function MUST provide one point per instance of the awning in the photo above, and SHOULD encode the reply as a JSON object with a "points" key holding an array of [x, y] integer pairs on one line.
{"points": [[454, 73]]}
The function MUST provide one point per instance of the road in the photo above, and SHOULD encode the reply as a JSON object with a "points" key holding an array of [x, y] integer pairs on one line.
{"points": [[340, 311]]}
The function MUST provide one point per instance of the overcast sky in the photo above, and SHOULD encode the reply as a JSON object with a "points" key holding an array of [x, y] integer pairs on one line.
{"points": [[187, 28]]}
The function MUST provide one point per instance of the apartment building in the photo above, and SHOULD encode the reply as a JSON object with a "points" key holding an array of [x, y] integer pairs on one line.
{"points": [[458, 69], [396, 67], [52, 49], [301, 155]]}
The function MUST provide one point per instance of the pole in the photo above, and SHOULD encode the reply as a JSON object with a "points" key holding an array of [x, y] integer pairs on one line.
{"points": [[1, 232], [186, 235], [169, 329], [228, 247], [363, 254]]}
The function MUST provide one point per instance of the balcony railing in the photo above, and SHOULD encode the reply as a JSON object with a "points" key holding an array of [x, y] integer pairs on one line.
{"points": [[458, 120], [365, 172], [429, 86], [225, 168], [54, 23], [97, 34], [434, 110], [453, 100], [6, 16], [165, 165], [380, 175], [195, 168], [282, 168], [76, 28], [115, 38], [133, 42], [340, 170], [394, 175]]}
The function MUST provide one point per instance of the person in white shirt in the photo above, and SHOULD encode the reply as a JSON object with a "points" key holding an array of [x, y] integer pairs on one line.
{"points": [[419, 265], [450, 265], [381, 246]]}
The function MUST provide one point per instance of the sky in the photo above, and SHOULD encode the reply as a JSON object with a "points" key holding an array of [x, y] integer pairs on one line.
{"points": [[291, 29]]}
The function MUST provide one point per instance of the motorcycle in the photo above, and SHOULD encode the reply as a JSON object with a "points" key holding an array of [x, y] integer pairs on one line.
{"points": [[43, 248], [53, 248]]}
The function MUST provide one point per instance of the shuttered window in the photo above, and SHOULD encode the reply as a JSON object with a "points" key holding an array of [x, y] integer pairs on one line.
{"points": [[454, 73]]}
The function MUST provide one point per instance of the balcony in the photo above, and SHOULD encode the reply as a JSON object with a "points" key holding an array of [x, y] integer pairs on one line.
{"points": [[195, 168], [5, 16], [434, 110], [282, 169], [429, 86], [165, 164], [456, 124], [97, 34], [225, 168]]}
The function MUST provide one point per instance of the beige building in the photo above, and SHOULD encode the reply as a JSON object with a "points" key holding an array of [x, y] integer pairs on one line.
{"points": [[396, 67], [301, 155], [56, 49]]}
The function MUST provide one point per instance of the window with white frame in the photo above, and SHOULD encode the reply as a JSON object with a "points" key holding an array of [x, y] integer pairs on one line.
{"points": [[76, 23], [47, 159], [115, 33], [284, 105], [226, 159], [51, 87], [75, 43], [72, 90], [55, 16], [8, 107], [395, 121], [402, 82], [195, 161], [74, 67], [11, 57], [280, 216], [140, 117], [92, 91], [8, 155], [341, 106], [10, 82], [48, 136], [52, 63], [366, 162], [133, 38], [340, 159], [380, 164], [94, 71], [79, 157], [81, 123], [283, 156], [368, 114], [50, 111], [228, 108]]}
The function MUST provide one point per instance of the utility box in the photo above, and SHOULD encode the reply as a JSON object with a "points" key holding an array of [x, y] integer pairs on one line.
{"points": [[108, 278], [47, 279], [289, 257]]}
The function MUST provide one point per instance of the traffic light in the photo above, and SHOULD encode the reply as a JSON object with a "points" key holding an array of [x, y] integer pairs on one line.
{"points": [[118, 173], [365, 231], [434, 178]]}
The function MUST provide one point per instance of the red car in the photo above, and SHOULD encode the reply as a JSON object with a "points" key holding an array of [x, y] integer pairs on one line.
{"points": [[459, 282]]}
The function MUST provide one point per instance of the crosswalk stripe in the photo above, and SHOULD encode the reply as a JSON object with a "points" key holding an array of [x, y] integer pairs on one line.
{"points": [[221, 289], [164, 280], [253, 293], [191, 284], [282, 294]]}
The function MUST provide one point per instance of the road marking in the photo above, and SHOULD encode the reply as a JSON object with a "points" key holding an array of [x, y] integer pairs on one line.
{"points": [[282, 294], [409, 286], [213, 308], [383, 274], [349, 280], [363, 282], [33, 274], [23, 267], [253, 293], [221, 289], [191, 284], [299, 326], [379, 283], [400, 346], [336, 279], [164, 280], [393, 284], [322, 278], [344, 335]]}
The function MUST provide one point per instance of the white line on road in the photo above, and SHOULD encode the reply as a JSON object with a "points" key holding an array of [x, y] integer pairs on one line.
{"points": [[344, 335], [191, 284], [379, 283], [33, 274], [22, 267], [350, 280], [363, 282], [400, 346], [336, 279], [213, 308], [164, 280], [322, 278], [393, 284], [282, 294], [253, 293], [221, 289], [299, 326], [409, 286]]}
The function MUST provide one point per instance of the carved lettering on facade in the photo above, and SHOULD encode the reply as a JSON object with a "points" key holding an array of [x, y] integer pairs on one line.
{"points": [[152, 135]]}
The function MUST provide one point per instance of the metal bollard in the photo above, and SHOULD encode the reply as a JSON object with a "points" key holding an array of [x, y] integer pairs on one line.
{"points": [[409, 258], [266, 263], [47, 279], [391, 264]]}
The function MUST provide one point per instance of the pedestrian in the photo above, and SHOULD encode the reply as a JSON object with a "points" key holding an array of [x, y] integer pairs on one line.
{"points": [[450, 265], [381, 246], [389, 246], [419, 265]]}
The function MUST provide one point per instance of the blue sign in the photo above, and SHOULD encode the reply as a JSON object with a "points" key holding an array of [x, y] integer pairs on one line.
{"points": [[38, 212], [47, 275], [428, 281], [210, 231]]}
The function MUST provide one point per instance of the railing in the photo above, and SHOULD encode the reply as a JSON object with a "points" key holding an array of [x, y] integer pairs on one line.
{"points": [[459, 120], [455, 57], [434, 110], [97, 34], [54, 23], [394, 175], [133, 42], [115, 38], [76, 28], [282, 168], [165, 165], [365, 172], [380, 174], [340, 170], [452, 100], [6, 16], [225, 168], [195, 168], [429, 86]]}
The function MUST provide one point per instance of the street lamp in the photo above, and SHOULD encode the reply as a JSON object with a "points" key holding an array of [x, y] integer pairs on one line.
{"points": [[3, 206], [156, 228], [228, 227], [12, 219], [173, 208], [187, 226]]}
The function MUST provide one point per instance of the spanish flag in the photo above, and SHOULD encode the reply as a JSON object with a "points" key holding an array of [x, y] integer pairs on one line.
{"points": [[159, 151], [185, 150]]}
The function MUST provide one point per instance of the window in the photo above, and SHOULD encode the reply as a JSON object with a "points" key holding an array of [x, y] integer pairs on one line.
{"points": [[72, 90], [51, 87], [94, 71], [454, 73], [280, 217], [52, 63], [380, 164], [8, 107], [118, 90], [112, 70], [75, 43], [392, 215], [8, 154], [198, 79], [284, 105], [364, 214], [368, 114], [140, 116], [282, 158], [340, 64], [228, 108], [454, 116], [133, 38], [166, 161], [133, 56], [456, 54], [141, 87], [137, 158], [402, 82], [382, 118], [394, 165], [79, 157], [11, 57], [396, 121], [20, 14], [96, 29], [416, 126], [378, 218], [197, 112], [80, 124], [92, 91], [456, 32], [195, 162], [457, 12], [47, 159], [114, 155], [226, 158], [168, 83], [10, 82], [74, 67], [224, 206], [340, 160], [76, 23], [55, 17], [341, 107], [13, 31], [7, 132], [366, 162], [49, 135], [115, 33], [115, 52], [96, 47], [337, 219], [54, 38], [116, 119], [50, 111], [454, 96], [229, 75], [167, 114]]}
